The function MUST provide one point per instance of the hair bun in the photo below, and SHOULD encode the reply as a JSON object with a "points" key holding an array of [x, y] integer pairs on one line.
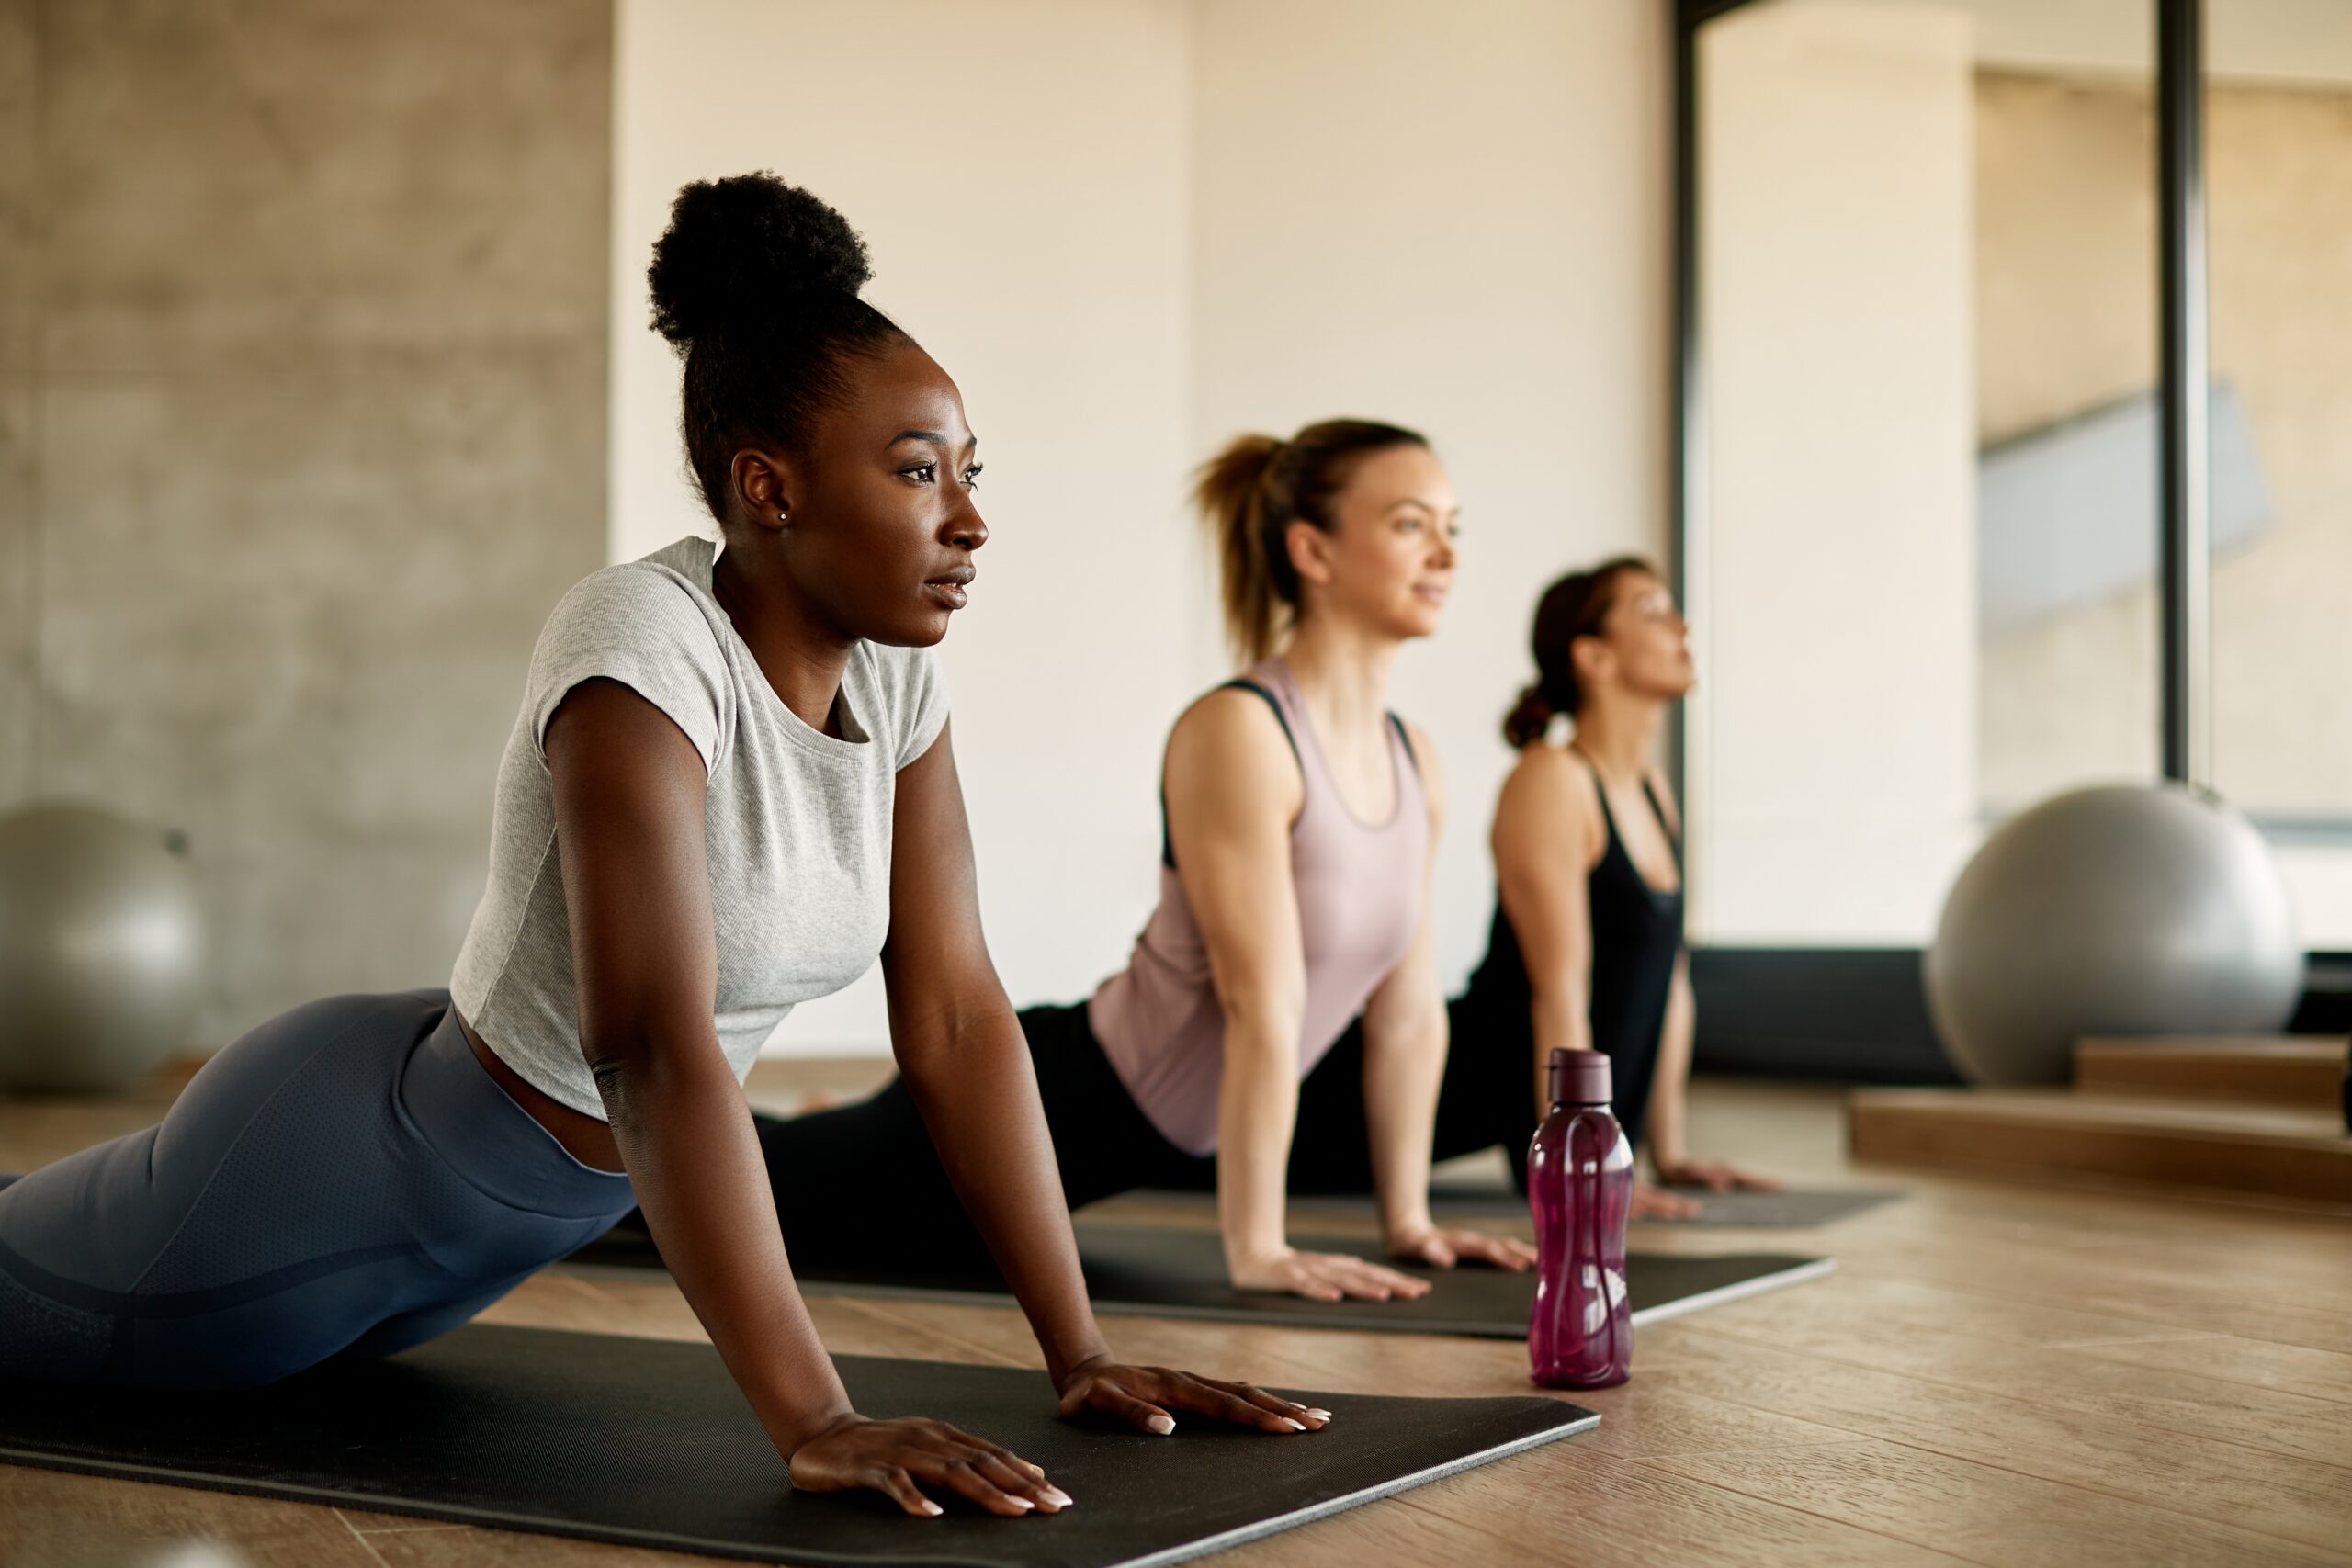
{"points": [[747, 251], [1531, 719]]}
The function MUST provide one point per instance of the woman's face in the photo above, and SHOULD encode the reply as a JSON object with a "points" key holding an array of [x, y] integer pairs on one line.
{"points": [[883, 524], [1646, 639], [1387, 562]]}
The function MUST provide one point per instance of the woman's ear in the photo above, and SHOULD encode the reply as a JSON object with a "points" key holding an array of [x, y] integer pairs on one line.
{"points": [[763, 487], [1595, 661], [1310, 552]]}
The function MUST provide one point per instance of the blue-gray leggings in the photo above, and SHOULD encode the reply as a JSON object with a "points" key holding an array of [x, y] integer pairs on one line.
{"points": [[345, 1180]]}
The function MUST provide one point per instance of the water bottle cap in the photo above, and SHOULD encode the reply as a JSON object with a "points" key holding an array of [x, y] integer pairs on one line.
{"points": [[1579, 1078]]}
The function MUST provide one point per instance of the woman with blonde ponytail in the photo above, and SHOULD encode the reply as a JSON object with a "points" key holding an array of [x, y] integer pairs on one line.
{"points": [[1301, 823]]}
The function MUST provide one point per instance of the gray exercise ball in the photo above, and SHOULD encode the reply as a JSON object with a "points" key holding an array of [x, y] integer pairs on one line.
{"points": [[2120, 910], [98, 948]]}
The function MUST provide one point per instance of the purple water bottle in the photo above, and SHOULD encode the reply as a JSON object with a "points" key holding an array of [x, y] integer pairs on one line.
{"points": [[1580, 1184]]}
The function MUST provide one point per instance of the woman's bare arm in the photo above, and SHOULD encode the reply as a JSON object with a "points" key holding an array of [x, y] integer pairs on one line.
{"points": [[961, 1051], [1405, 1045], [1234, 790], [628, 789], [1544, 847]]}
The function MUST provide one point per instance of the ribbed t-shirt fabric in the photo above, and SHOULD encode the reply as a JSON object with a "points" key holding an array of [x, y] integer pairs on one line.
{"points": [[797, 823]]}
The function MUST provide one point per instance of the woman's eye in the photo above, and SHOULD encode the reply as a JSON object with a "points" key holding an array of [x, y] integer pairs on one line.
{"points": [[921, 473], [972, 477]]}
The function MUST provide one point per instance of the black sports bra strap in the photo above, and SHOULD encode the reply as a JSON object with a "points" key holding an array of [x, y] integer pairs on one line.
{"points": [[1247, 685], [1167, 845], [1658, 810], [1600, 791], [1609, 817], [1405, 739]]}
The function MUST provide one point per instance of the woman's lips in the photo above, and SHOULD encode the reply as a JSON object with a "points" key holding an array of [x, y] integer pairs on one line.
{"points": [[948, 587]]}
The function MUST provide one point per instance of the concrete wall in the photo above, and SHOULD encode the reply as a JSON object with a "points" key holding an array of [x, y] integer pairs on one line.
{"points": [[1132, 228], [301, 417]]}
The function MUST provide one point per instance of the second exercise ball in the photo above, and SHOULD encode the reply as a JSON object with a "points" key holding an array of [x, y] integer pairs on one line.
{"points": [[98, 949], [2118, 910]]}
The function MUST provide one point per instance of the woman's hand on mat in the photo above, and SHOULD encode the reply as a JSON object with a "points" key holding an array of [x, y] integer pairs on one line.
{"points": [[1323, 1276], [1443, 1248], [1657, 1203], [900, 1457], [1714, 1175], [1143, 1397]]}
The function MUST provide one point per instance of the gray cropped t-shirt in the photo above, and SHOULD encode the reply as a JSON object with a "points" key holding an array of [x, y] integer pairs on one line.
{"points": [[797, 823]]}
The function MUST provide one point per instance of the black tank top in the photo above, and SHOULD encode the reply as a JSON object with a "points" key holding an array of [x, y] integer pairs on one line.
{"points": [[1636, 936]]}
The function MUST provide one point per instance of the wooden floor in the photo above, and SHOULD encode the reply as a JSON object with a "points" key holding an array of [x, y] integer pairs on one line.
{"points": [[1996, 1374]]}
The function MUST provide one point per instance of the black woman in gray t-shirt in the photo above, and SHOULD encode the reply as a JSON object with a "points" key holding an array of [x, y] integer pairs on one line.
{"points": [[731, 786]]}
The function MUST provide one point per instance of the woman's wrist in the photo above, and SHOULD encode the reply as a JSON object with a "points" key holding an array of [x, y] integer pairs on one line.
{"points": [[1065, 1361], [1240, 1249], [793, 1431]]}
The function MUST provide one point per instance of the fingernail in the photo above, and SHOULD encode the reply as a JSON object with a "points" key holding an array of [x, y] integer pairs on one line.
{"points": [[1320, 1415], [1037, 1470], [1057, 1498], [1294, 1426], [931, 1509], [1021, 1502], [1162, 1424]]}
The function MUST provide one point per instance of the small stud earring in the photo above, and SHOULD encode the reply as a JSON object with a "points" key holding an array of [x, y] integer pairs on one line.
{"points": [[781, 517]]}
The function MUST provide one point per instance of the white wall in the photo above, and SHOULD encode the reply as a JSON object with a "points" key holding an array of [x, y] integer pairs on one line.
{"points": [[1454, 216], [1131, 228], [1841, 540], [1025, 210]]}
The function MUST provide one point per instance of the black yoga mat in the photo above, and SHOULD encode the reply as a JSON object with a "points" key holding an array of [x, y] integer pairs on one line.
{"points": [[1793, 1210], [645, 1442], [1162, 1272]]}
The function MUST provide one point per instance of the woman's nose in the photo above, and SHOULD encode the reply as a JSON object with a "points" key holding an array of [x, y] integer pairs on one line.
{"points": [[966, 530]]}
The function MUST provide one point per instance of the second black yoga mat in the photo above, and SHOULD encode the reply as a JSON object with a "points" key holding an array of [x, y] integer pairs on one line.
{"points": [[645, 1442], [1793, 1209], [1157, 1271]]}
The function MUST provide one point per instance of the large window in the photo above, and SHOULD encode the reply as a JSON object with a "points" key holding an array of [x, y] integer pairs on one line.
{"points": [[1924, 502], [1924, 575], [2279, 183]]}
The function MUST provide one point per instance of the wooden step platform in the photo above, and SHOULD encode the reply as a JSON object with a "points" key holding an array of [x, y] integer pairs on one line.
{"points": [[2255, 1150], [2306, 1071]]}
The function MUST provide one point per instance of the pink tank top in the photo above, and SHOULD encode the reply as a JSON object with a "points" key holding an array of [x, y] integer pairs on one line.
{"points": [[1361, 888]]}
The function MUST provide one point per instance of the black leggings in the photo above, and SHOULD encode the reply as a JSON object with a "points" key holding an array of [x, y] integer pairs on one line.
{"points": [[863, 1184], [1482, 1101]]}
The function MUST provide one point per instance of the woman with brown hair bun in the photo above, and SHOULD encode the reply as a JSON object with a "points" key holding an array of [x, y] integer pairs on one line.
{"points": [[1301, 818], [1585, 950]]}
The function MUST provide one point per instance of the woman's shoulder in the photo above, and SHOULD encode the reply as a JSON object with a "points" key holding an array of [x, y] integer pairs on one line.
{"points": [[1546, 783], [642, 604], [1238, 718], [906, 689], [655, 592], [1233, 745]]}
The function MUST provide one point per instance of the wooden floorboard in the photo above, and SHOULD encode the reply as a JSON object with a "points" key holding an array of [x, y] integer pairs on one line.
{"points": [[1999, 1372]]}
